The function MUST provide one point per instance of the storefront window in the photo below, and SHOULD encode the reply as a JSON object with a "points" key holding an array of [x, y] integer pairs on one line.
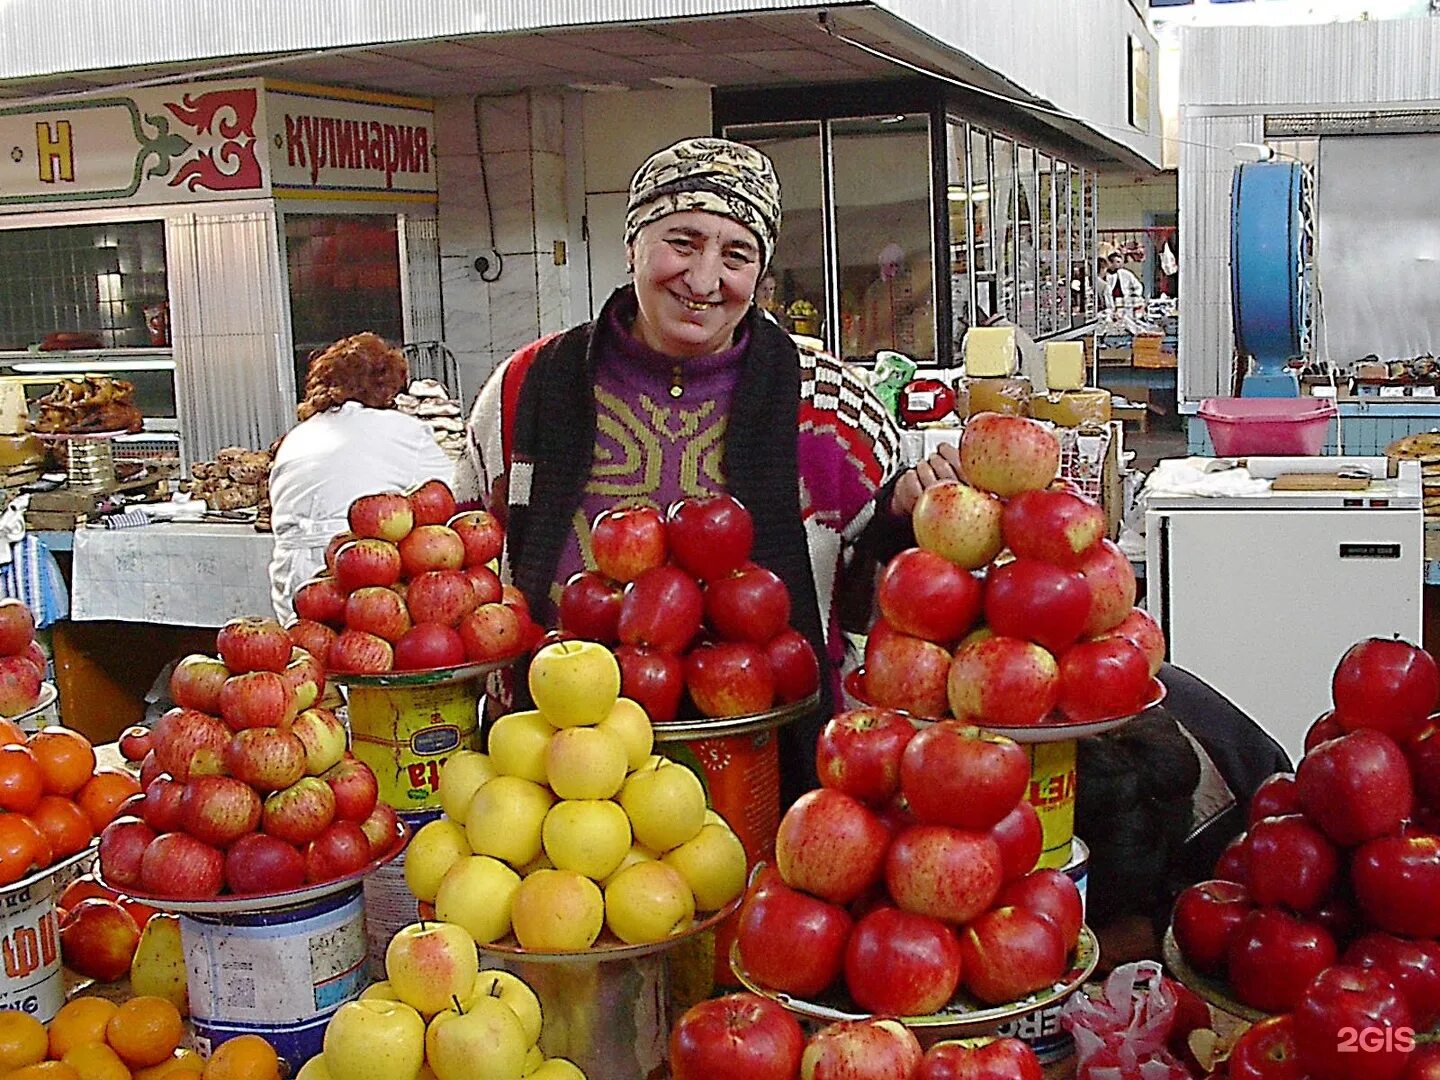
{"points": [[1062, 245], [1045, 241], [1002, 215], [981, 250], [1025, 233], [883, 236], [957, 202]]}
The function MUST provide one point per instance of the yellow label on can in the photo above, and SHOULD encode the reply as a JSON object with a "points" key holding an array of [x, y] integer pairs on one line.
{"points": [[405, 734], [1052, 794]]}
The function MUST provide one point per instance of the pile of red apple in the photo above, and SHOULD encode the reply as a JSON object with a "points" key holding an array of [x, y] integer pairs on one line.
{"points": [[910, 874], [408, 587], [685, 610], [1014, 603], [1327, 911], [22, 661], [248, 786]]}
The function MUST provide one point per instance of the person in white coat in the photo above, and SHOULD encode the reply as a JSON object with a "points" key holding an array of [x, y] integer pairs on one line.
{"points": [[350, 441], [1120, 289]]}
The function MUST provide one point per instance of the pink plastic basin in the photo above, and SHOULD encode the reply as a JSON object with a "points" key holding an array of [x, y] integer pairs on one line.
{"points": [[1243, 426]]}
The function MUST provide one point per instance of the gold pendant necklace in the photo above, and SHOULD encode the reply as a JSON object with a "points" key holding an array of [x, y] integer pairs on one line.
{"points": [[677, 386]]}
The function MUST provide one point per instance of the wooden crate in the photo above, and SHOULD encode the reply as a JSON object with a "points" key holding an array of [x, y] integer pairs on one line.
{"points": [[1148, 354]]}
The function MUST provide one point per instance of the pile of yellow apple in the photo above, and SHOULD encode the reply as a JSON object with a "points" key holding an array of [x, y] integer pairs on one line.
{"points": [[570, 825], [437, 1017]]}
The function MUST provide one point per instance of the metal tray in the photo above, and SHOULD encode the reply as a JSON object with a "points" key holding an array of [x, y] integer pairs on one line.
{"points": [[608, 947], [430, 677], [714, 727]]}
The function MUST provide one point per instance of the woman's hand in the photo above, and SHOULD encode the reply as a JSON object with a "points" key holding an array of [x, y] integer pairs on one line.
{"points": [[939, 467]]}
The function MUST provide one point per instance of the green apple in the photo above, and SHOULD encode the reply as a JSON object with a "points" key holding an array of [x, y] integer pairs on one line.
{"points": [[430, 963], [585, 763], [574, 683], [558, 911], [374, 1039], [648, 902], [712, 864], [637, 853], [517, 745], [557, 1069], [433, 850], [484, 1040], [589, 836], [629, 720], [666, 805], [516, 993], [460, 777], [477, 894], [505, 818]]}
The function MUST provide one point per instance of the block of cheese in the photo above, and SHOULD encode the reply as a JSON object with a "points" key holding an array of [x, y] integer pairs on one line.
{"points": [[990, 352], [1073, 408], [1065, 365], [1008, 395]]}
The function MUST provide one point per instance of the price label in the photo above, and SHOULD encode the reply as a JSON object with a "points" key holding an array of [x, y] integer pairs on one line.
{"points": [[1392, 391], [1424, 391]]}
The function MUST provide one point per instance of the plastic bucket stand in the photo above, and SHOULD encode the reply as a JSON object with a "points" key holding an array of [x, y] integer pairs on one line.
{"points": [[389, 903], [278, 974], [1052, 794], [405, 733], [30, 946]]}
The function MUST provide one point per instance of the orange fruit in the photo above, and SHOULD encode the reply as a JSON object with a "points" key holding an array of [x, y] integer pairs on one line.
{"points": [[11, 733], [22, 847], [245, 1057], [45, 1070], [102, 795], [64, 824], [22, 1040], [96, 1061], [21, 780], [145, 1031], [185, 1065], [79, 1022], [67, 760]]}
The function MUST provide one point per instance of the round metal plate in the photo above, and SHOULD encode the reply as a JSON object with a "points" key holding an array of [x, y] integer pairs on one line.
{"points": [[48, 697], [963, 1016], [714, 727], [54, 868], [608, 947], [1213, 991], [432, 677]]}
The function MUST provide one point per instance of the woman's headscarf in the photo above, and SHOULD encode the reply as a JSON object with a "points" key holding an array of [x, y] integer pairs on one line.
{"points": [[714, 175]]}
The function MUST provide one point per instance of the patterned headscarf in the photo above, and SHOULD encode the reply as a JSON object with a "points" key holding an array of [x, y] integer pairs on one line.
{"points": [[714, 175]]}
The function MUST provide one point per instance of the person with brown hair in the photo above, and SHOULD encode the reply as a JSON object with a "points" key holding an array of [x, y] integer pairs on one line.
{"points": [[350, 441]]}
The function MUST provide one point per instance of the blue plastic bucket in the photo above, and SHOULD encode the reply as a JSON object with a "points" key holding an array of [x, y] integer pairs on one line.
{"points": [[278, 974]]}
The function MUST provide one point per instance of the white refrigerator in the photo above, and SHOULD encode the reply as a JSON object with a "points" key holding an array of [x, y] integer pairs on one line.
{"points": [[1261, 595]]}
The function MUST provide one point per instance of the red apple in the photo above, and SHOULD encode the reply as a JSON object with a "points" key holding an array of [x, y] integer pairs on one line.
{"points": [[337, 541], [342, 849], [263, 864], [1103, 679], [1413, 966], [740, 1035], [948, 874], [901, 964], [1142, 631], [1422, 750], [98, 938], [1395, 879], [431, 547], [984, 1058], [904, 672], [367, 562], [19, 685], [36, 655], [315, 638], [1352, 1022], [709, 537], [1050, 894], [1111, 579], [180, 867], [181, 734], [1277, 795], [661, 608], [218, 810], [653, 678], [959, 523], [1232, 864], [195, 683], [150, 767], [250, 644], [729, 678], [355, 788], [752, 604], [267, 759], [17, 626], [360, 653], [257, 699], [830, 845], [305, 676], [481, 534], [487, 588], [927, 596], [381, 829], [1021, 839], [1009, 952], [1056, 526], [492, 632], [1272, 957], [323, 736], [858, 752], [1008, 454], [1037, 601], [429, 645], [1267, 1050], [861, 1050], [379, 611], [321, 600], [431, 502], [1206, 917], [122, 846], [135, 742], [790, 941], [1290, 863], [1424, 1063], [1385, 684], [792, 661], [954, 774], [590, 606], [161, 808], [1356, 787], [1003, 681], [625, 541], [382, 516], [299, 813]]}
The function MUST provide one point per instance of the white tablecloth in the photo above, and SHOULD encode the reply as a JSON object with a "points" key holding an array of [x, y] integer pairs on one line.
{"points": [[182, 574]]}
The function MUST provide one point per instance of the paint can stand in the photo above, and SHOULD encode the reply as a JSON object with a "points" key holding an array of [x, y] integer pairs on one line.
{"points": [[32, 979]]}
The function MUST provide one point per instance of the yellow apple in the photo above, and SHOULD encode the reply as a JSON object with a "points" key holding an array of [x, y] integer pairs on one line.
{"points": [[314, 1069], [375, 1039], [589, 836], [433, 850], [505, 818], [514, 992], [666, 805], [460, 777], [630, 721], [517, 745], [712, 864], [540, 862], [637, 853], [534, 1058], [484, 1040], [648, 902], [585, 763], [558, 911], [558, 1069], [713, 818], [381, 991], [574, 683], [430, 963], [477, 894]]}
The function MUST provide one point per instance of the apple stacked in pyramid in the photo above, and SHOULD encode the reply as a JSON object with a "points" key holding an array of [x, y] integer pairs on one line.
{"points": [[570, 825]]}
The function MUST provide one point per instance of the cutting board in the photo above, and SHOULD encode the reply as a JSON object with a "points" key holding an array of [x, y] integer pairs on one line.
{"points": [[1318, 482]]}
